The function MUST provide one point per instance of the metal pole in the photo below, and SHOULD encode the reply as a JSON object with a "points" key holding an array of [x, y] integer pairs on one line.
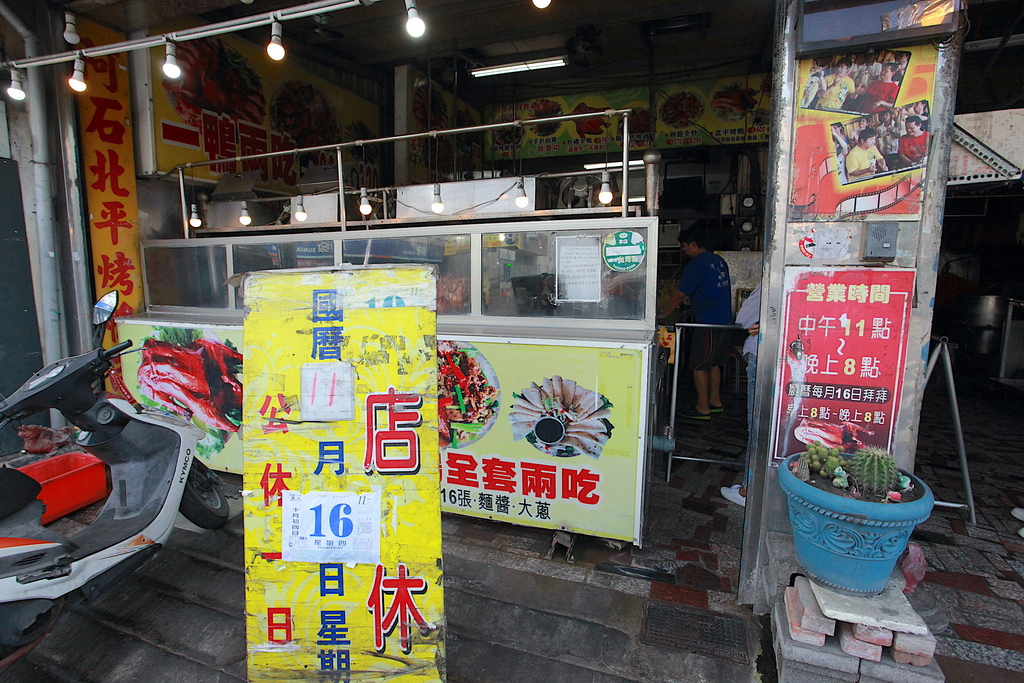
{"points": [[341, 190], [625, 164], [184, 205]]}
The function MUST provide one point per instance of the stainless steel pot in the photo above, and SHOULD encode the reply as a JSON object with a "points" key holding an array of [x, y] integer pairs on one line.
{"points": [[979, 310]]}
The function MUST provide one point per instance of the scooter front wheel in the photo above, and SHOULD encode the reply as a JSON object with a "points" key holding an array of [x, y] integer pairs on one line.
{"points": [[202, 502], [23, 621]]}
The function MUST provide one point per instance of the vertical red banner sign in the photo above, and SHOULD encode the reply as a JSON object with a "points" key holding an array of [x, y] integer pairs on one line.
{"points": [[843, 356], [108, 154]]}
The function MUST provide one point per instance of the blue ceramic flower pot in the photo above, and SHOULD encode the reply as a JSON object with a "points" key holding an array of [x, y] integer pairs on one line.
{"points": [[848, 544]]}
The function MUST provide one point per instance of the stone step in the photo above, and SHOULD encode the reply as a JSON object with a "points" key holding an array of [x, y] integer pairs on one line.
{"points": [[509, 625]]}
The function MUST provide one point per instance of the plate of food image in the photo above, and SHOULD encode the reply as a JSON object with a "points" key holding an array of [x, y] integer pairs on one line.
{"points": [[469, 397], [681, 109], [561, 418]]}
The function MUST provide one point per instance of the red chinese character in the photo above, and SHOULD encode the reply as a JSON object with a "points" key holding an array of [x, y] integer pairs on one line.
{"points": [[109, 130], [499, 475], [539, 480], [403, 610], [219, 139], [279, 624], [108, 168], [282, 167], [114, 216], [101, 65], [461, 470], [580, 484], [270, 411], [252, 139], [399, 433], [273, 484], [117, 273]]}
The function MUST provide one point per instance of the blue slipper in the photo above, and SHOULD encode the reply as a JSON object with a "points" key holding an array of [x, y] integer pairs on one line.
{"points": [[717, 409], [694, 414]]}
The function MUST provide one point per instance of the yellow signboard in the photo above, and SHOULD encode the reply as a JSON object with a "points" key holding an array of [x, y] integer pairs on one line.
{"points": [[108, 171], [557, 442], [233, 100], [342, 514]]}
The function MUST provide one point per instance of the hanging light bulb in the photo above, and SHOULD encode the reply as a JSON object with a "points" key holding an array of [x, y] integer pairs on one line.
{"points": [[414, 25], [541, 4], [605, 195], [171, 68], [437, 206], [77, 80], [16, 90], [300, 210], [364, 202], [275, 50], [70, 30], [194, 220], [522, 201], [245, 218]]}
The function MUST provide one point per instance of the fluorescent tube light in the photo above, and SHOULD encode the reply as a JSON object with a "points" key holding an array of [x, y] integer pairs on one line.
{"points": [[519, 66], [601, 166]]}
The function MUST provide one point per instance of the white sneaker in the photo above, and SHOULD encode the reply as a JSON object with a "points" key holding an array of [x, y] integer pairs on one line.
{"points": [[733, 495], [1020, 532], [1017, 513]]}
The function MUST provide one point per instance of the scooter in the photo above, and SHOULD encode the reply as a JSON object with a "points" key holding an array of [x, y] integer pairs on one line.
{"points": [[153, 474]]}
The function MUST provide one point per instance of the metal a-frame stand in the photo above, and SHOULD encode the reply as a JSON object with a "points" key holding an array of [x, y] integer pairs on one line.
{"points": [[942, 349]]}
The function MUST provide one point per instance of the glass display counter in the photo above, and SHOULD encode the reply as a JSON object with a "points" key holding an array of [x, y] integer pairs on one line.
{"points": [[544, 354]]}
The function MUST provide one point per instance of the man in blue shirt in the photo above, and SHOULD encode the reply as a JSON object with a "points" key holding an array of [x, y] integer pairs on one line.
{"points": [[705, 281]]}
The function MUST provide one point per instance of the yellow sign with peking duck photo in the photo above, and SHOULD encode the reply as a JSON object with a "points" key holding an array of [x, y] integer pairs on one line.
{"points": [[557, 442], [342, 515]]}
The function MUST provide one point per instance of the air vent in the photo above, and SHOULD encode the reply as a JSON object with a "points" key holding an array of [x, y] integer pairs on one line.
{"points": [[31, 559]]}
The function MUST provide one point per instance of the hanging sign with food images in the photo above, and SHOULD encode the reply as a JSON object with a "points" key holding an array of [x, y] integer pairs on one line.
{"points": [[725, 111], [232, 100], [556, 443]]}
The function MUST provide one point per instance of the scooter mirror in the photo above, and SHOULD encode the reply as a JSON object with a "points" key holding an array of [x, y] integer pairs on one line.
{"points": [[104, 308]]}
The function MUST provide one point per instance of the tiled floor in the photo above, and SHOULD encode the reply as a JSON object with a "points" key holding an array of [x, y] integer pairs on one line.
{"points": [[975, 572]]}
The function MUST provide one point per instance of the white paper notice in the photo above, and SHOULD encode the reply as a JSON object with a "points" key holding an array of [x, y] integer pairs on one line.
{"points": [[578, 274], [331, 526], [328, 391]]}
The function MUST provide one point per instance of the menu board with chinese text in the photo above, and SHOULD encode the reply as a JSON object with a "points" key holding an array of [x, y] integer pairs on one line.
{"points": [[843, 354]]}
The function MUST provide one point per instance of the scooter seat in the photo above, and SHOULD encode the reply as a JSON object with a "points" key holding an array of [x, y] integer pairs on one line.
{"points": [[17, 490]]}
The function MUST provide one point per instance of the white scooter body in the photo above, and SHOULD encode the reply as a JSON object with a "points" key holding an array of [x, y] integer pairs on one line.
{"points": [[79, 572], [152, 468]]}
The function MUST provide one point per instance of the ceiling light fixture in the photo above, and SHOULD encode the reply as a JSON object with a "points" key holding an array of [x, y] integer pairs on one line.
{"points": [[77, 80], [194, 220], [70, 30], [275, 50], [600, 166], [364, 202], [16, 91], [534, 65], [171, 68], [414, 25], [300, 210], [522, 201], [437, 206], [245, 218], [541, 4], [605, 195]]}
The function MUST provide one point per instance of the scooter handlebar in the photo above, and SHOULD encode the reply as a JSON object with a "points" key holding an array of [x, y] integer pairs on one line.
{"points": [[116, 349]]}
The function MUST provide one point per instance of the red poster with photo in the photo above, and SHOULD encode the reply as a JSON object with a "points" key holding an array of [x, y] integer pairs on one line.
{"points": [[843, 355]]}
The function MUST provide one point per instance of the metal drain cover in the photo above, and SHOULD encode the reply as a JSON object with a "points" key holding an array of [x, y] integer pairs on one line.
{"points": [[718, 635]]}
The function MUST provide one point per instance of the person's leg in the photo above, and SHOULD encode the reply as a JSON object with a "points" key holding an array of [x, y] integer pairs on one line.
{"points": [[702, 381], [715, 387]]}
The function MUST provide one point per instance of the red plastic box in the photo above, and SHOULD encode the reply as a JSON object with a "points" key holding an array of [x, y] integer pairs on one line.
{"points": [[70, 482]]}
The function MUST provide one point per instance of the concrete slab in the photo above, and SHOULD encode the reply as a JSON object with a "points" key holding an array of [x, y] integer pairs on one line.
{"points": [[890, 671], [829, 657], [889, 610]]}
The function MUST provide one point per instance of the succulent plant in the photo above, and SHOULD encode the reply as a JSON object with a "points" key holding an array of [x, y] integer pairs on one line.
{"points": [[875, 473]]}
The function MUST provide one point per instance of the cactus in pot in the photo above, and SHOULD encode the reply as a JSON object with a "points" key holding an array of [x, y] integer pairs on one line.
{"points": [[875, 473]]}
